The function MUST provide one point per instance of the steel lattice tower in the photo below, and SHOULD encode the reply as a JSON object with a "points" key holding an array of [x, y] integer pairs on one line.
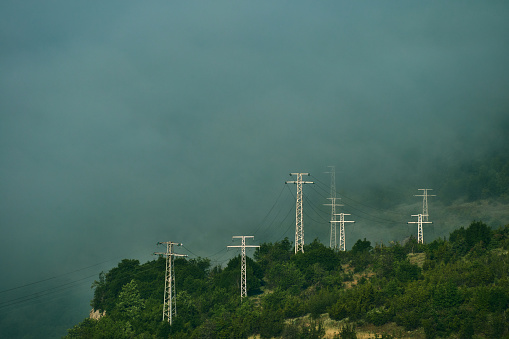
{"points": [[419, 222], [425, 196], [170, 307], [299, 221], [333, 198], [342, 241], [243, 267]]}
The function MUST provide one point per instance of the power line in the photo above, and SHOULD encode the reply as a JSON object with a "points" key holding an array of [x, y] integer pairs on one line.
{"points": [[373, 217], [268, 213], [55, 289], [358, 202], [314, 209], [42, 293], [187, 249], [54, 277], [291, 224], [269, 227]]}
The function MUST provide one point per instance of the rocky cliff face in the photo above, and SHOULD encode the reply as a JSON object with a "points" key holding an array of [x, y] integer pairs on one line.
{"points": [[96, 314]]}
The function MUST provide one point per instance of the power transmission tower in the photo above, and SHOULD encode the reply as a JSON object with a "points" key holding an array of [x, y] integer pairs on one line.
{"points": [[333, 198], [299, 221], [170, 307], [243, 269], [425, 196], [419, 222], [342, 241]]}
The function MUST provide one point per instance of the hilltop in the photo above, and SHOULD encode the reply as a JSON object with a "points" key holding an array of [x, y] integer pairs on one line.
{"points": [[456, 287]]}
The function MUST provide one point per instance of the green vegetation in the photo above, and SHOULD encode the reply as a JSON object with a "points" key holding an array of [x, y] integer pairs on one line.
{"points": [[460, 289]]}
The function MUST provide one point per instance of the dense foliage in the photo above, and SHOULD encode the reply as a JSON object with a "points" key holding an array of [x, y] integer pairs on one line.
{"points": [[460, 289]]}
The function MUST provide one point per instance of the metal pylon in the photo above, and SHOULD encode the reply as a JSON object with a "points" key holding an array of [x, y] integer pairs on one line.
{"points": [[170, 306], [299, 221], [425, 196], [342, 241], [419, 222], [243, 266], [333, 229]]}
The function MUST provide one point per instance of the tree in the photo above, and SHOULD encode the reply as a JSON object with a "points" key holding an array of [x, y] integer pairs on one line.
{"points": [[465, 239], [457, 293], [361, 246], [130, 304], [110, 284], [405, 271], [269, 253], [285, 276], [478, 232], [446, 295]]}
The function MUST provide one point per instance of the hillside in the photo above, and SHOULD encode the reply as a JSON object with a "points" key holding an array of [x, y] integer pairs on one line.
{"points": [[457, 288]]}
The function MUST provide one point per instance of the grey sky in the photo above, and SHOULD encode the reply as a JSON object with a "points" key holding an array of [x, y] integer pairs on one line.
{"points": [[126, 123]]}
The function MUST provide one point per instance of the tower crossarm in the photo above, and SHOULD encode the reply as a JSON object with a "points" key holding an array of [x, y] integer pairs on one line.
{"points": [[419, 215], [172, 254], [419, 222], [425, 192], [240, 246], [334, 202]]}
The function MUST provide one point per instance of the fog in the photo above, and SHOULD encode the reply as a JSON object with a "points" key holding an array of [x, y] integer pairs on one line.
{"points": [[127, 123]]}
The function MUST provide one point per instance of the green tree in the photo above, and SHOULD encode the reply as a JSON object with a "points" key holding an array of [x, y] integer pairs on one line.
{"points": [[446, 295], [85, 329], [478, 232], [268, 253], [361, 246], [285, 276], [110, 284], [405, 271], [464, 239], [130, 305], [271, 323]]}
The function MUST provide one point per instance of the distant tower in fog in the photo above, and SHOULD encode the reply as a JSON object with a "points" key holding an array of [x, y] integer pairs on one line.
{"points": [[425, 196], [342, 239], [333, 198]]}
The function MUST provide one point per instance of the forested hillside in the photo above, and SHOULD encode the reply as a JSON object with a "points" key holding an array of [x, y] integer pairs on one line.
{"points": [[486, 178], [456, 287]]}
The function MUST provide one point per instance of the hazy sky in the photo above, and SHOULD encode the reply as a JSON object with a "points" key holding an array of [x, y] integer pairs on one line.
{"points": [[124, 123]]}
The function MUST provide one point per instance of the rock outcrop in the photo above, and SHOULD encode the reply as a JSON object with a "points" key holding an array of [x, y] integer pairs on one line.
{"points": [[96, 314]]}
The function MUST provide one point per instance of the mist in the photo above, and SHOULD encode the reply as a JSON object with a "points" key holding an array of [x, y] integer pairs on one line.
{"points": [[124, 123]]}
